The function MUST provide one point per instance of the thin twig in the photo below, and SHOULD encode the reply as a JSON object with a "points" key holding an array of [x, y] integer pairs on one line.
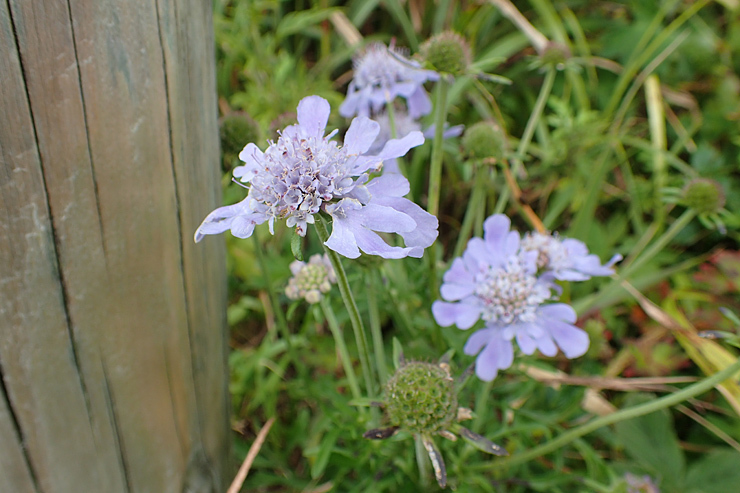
{"points": [[236, 485]]}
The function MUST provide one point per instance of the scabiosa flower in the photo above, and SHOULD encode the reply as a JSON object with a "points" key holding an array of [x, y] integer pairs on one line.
{"points": [[310, 280], [305, 172], [382, 74], [495, 281], [421, 399], [565, 259]]}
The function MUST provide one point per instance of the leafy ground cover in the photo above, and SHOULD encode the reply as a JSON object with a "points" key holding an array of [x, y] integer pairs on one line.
{"points": [[615, 124]]}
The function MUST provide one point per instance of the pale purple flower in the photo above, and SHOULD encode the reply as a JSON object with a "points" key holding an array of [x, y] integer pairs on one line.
{"points": [[566, 259], [382, 74], [495, 281], [305, 172], [310, 280]]}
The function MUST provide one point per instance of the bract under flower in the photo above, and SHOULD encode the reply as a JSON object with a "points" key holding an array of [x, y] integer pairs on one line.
{"points": [[305, 172]]}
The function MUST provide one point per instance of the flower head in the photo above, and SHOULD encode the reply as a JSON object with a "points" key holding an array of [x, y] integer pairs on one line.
{"points": [[305, 172], [381, 74], [565, 259], [497, 281], [310, 280]]}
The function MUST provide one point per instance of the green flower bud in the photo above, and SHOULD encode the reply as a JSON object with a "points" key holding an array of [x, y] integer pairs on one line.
{"points": [[484, 140], [447, 52], [703, 195], [236, 130], [420, 398]]}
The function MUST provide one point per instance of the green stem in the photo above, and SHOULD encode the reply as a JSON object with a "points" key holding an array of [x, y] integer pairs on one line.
{"points": [[625, 414], [534, 118], [476, 203], [377, 335], [331, 320], [435, 172], [391, 112], [271, 293], [349, 302]]}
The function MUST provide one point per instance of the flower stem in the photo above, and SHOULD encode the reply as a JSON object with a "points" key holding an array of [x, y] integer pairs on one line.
{"points": [[278, 312], [435, 173], [475, 205], [622, 415], [349, 302], [331, 320], [377, 335], [526, 139]]}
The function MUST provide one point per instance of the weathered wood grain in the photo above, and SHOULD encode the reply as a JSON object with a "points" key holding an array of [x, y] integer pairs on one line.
{"points": [[112, 348]]}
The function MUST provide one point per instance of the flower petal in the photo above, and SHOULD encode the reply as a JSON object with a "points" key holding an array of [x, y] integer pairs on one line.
{"points": [[238, 218], [477, 340], [394, 186], [392, 149], [463, 315], [313, 113], [361, 135], [372, 244], [384, 219], [497, 355], [251, 156]]}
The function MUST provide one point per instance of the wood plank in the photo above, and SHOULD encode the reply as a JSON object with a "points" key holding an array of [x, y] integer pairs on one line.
{"points": [[187, 38], [146, 337], [54, 93], [39, 371], [110, 196]]}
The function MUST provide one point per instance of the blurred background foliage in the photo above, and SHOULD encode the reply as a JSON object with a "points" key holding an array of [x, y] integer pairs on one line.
{"points": [[643, 97]]}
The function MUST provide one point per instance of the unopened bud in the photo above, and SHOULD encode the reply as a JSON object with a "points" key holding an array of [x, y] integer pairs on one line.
{"points": [[484, 140], [703, 195], [447, 53]]}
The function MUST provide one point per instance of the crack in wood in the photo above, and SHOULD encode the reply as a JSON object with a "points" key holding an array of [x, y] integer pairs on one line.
{"points": [[120, 447], [87, 136], [18, 430]]}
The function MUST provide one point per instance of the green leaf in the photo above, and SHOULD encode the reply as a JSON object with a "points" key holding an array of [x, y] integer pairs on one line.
{"points": [[717, 472], [398, 359], [365, 402], [295, 22], [322, 458], [295, 246], [652, 442]]}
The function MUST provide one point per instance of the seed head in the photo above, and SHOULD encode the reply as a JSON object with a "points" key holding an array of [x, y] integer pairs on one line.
{"points": [[484, 140], [447, 52], [704, 196], [420, 398]]}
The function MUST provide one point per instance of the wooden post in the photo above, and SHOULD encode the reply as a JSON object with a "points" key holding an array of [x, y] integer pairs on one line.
{"points": [[112, 326]]}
